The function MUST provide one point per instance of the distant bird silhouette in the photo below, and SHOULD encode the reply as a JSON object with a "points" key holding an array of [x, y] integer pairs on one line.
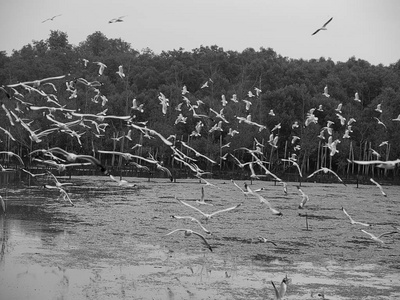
{"points": [[323, 26], [51, 19]]}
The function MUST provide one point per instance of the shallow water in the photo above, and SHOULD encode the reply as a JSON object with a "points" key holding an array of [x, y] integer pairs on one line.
{"points": [[112, 243]]}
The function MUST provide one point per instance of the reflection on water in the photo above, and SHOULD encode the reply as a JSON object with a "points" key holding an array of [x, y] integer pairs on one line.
{"points": [[112, 244]]}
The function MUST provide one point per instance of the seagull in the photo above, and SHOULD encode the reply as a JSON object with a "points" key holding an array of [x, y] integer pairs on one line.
{"points": [[265, 240], [34, 175], [265, 201], [206, 215], [379, 108], [379, 186], [354, 222], [326, 170], [191, 219], [388, 165], [120, 71], [71, 157], [397, 119], [189, 232], [325, 93], [356, 97], [116, 20], [380, 122], [295, 164], [9, 153], [51, 19], [282, 289], [122, 182], [378, 238], [101, 67], [304, 198], [323, 26]]}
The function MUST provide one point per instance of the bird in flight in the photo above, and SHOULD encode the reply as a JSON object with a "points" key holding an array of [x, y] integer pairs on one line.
{"points": [[51, 19], [116, 20], [323, 26], [352, 220]]}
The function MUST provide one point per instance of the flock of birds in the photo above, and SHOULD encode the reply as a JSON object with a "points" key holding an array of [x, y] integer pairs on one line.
{"points": [[63, 120]]}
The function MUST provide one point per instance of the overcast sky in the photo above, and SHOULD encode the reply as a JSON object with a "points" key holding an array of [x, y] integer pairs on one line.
{"points": [[366, 29]]}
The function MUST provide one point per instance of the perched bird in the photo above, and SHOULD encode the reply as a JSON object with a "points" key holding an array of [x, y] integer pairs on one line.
{"points": [[325, 93], [323, 27]]}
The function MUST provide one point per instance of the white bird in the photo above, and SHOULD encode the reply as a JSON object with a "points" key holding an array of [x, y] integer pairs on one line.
{"points": [[397, 119], [379, 186], [388, 165], [34, 175], [380, 122], [326, 170], [354, 222], [120, 72], [378, 238], [379, 108], [191, 219], [356, 97], [339, 108], [304, 197], [325, 93], [323, 26], [122, 182], [265, 240], [295, 164], [9, 153], [280, 294], [189, 232], [101, 67], [206, 215]]}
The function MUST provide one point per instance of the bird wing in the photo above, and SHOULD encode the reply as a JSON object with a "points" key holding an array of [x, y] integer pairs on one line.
{"points": [[176, 230], [350, 218], [226, 209], [387, 233], [313, 34], [203, 239], [195, 208], [327, 22], [276, 291]]}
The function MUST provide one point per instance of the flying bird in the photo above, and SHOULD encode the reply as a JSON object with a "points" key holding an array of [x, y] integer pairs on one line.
{"points": [[379, 186], [189, 232], [280, 294], [51, 19], [352, 220], [326, 170], [206, 215], [191, 219], [378, 238], [323, 26], [116, 20]]}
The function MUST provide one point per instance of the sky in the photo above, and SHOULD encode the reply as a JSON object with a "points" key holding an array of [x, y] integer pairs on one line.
{"points": [[365, 29]]}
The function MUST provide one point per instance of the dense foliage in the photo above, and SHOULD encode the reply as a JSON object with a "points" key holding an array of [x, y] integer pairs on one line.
{"points": [[290, 87]]}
